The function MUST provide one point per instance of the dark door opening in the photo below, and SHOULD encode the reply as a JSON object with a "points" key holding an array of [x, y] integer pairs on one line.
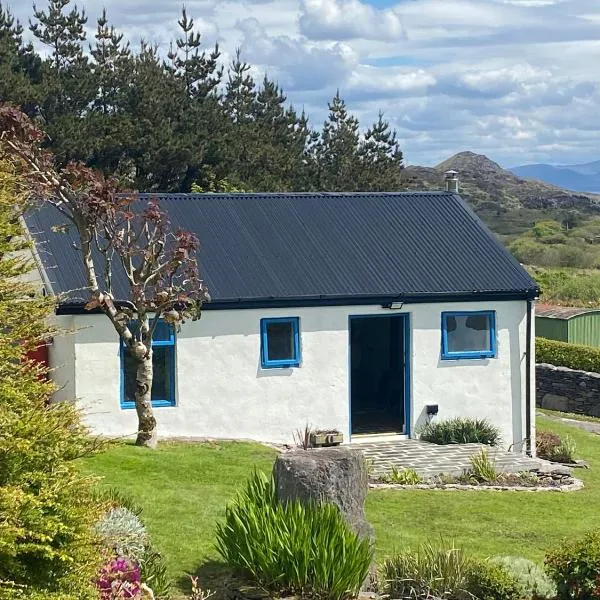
{"points": [[377, 384]]}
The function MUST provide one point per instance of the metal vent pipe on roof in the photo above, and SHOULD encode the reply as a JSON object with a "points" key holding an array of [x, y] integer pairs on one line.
{"points": [[451, 178]]}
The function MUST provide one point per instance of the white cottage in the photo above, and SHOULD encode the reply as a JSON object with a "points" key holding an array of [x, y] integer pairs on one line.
{"points": [[366, 312]]}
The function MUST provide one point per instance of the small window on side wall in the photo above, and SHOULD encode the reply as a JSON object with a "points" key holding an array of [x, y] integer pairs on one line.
{"points": [[280, 342], [468, 335]]}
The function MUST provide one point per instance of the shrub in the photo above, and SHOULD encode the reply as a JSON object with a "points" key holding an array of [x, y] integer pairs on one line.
{"points": [[563, 354], [47, 544], [461, 431], [448, 573], [487, 580], [292, 548], [546, 444], [405, 476], [482, 468], [549, 446], [575, 567], [531, 577], [119, 578], [123, 533]]}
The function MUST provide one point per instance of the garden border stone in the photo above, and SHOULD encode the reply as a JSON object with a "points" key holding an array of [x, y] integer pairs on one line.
{"points": [[455, 487]]}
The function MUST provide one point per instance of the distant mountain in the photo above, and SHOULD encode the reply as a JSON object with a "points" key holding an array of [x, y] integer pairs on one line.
{"points": [[508, 203], [580, 178]]}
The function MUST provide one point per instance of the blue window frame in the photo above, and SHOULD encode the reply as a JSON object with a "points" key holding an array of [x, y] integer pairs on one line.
{"points": [[468, 334], [163, 362], [280, 342]]}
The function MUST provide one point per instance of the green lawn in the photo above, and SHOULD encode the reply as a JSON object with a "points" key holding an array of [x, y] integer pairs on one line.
{"points": [[183, 489]]}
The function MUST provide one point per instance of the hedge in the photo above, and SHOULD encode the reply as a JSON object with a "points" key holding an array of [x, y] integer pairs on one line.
{"points": [[563, 354]]}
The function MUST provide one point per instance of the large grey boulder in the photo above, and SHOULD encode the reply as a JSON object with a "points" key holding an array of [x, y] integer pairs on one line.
{"points": [[333, 475]]}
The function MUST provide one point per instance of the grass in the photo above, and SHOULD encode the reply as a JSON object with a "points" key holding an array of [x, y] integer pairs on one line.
{"points": [[184, 488]]}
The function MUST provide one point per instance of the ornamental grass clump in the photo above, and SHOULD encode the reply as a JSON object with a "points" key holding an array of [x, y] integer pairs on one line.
{"points": [[446, 573], [291, 547], [461, 431]]}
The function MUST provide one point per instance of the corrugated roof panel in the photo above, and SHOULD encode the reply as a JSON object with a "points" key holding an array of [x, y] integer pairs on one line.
{"points": [[562, 312], [326, 245]]}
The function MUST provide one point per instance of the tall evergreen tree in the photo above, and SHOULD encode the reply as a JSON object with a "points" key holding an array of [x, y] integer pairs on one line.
{"points": [[19, 64], [239, 104], [337, 151], [108, 123], [67, 86], [201, 124], [381, 158]]}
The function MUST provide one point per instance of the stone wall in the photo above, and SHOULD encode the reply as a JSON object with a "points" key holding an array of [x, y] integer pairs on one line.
{"points": [[560, 388]]}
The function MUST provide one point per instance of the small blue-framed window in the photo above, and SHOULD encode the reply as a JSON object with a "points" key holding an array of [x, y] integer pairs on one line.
{"points": [[468, 334], [280, 342], [163, 362]]}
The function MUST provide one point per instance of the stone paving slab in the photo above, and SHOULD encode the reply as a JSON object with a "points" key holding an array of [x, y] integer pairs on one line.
{"points": [[429, 459]]}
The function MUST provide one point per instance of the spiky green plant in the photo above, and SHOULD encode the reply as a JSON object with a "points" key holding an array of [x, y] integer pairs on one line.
{"points": [[404, 476], [460, 431], [483, 468], [429, 571], [291, 547]]}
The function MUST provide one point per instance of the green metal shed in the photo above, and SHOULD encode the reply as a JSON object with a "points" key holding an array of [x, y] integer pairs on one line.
{"points": [[566, 324]]}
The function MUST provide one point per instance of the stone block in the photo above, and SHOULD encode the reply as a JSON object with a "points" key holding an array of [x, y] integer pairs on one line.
{"points": [[555, 402], [333, 475]]}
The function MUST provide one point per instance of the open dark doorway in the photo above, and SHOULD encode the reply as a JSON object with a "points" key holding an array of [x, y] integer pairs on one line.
{"points": [[377, 374]]}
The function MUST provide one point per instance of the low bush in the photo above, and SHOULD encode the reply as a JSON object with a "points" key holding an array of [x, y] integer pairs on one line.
{"points": [[550, 446], [123, 533], [490, 581], [448, 573], [461, 431], [563, 354], [575, 567], [531, 577], [292, 548], [133, 562], [405, 476]]}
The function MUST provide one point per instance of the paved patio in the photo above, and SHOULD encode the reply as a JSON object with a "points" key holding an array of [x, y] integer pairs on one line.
{"points": [[429, 459]]}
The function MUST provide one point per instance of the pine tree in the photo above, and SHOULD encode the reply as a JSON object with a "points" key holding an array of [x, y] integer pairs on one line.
{"points": [[337, 152], [108, 123], [19, 64], [381, 159], [67, 86], [241, 138], [199, 71]]}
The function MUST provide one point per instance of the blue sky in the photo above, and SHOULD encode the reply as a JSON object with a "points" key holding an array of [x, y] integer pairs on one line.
{"points": [[518, 80]]}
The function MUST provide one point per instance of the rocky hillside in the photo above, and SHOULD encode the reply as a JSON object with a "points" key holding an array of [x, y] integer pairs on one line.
{"points": [[509, 204]]}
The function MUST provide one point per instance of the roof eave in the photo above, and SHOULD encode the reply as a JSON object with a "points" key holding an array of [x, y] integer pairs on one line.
{"points": [[75, 308]]}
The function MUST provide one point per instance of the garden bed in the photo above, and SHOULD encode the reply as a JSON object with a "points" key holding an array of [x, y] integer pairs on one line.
{"points": [[572, 486]]}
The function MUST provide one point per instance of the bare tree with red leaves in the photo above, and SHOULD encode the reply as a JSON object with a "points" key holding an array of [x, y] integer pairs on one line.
{"points": [[121, 237]]}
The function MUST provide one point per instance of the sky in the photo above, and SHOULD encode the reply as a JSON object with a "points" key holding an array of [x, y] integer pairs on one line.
{"points": [[517, 80]]}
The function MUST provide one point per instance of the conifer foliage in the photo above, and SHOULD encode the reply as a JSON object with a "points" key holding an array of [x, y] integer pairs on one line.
{"points": [[165, 121], [47, 549]]}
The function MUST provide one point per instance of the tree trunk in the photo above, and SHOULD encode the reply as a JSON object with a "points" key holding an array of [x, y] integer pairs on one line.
{"points": [[143, 403]]}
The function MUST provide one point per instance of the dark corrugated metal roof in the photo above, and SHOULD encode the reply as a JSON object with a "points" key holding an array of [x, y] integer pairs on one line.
{"points": [[320, 247], [562, 312]]}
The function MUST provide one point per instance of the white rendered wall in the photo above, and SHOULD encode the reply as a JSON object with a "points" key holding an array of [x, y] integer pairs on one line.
{"points": [[222, 392]]}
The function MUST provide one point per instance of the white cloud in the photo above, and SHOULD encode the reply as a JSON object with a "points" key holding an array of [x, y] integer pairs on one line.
{"points": [[348, 19]]}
